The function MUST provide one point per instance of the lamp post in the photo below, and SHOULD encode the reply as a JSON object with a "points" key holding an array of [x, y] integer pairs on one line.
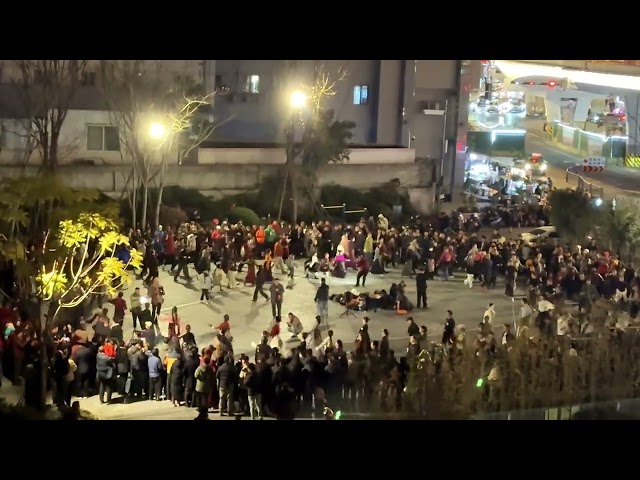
{"points": [[297, 101], [157, 131]]}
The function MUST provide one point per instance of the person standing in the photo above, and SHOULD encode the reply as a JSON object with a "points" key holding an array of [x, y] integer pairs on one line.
{"points": [[254, 393], [120, 306], [363, 271], [155, 375], [421, 288], [227, 377], [277, 294], [449, 335], [104, 369], [260, 280], [157, 299], [205, 383], [322, 300]]}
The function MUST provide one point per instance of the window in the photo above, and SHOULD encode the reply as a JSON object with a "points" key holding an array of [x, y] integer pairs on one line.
{"points": [[88, 79], [103, 138], [360, 94], [253, 84]]}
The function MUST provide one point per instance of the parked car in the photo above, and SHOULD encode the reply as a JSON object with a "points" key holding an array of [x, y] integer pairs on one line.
{"points": [[540, 234]]}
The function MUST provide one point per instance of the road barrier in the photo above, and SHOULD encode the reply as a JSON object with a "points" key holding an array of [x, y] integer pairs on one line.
{"points": [[632, 161], [583, 185]]}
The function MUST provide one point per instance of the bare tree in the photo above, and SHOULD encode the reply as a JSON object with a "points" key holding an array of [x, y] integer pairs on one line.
{"points": [[158, 119], [324, 140], [47, 89], [23, 130]]}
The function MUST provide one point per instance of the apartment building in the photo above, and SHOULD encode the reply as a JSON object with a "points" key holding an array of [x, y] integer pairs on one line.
{"points": [[88, 134], [405, 103]]}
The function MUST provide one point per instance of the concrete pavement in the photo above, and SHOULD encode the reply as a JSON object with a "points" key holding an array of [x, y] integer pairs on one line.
{"points": [[249, 319]]}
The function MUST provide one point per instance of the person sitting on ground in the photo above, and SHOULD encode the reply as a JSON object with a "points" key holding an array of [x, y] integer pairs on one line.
{"points": [[349, 299], [312, 266], [339, 270], [324, 269], [402, 302]]}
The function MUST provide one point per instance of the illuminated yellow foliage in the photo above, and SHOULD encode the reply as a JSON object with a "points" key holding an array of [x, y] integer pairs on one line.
{"points": [[84, 260], [51, 282]]}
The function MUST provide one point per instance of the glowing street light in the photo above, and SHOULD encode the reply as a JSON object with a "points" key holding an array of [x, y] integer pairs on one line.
{"points": [[157, 131], [298, 99]]}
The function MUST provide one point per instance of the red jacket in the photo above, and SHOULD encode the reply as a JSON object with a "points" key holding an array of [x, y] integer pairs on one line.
{"points": [[363, 265], [275, 330]]}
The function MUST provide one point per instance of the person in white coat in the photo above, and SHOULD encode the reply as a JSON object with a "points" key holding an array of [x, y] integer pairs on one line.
{"points": [[327, 344], [383, 223], [314, 339], [490, 314], [206, 282]]}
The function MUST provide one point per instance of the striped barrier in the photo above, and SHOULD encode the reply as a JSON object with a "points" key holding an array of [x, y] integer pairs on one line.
{"points": [[632, 161], [549, 129]]}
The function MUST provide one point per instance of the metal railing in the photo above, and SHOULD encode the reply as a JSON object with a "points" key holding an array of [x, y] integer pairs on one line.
{"points": [[583, 185]]}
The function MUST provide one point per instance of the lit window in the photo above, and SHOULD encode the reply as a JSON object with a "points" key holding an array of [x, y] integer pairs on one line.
{"points": [[360, 94], [103, 138], [253, 84]]}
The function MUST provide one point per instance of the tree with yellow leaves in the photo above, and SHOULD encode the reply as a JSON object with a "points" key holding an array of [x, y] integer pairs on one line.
{"points": [[81, 258]]}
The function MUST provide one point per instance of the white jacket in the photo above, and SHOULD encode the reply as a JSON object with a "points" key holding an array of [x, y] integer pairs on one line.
{"points": [[206, 282]]}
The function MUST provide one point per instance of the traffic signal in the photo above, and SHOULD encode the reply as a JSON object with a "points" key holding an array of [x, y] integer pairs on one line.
{"points": [[479, 383]]}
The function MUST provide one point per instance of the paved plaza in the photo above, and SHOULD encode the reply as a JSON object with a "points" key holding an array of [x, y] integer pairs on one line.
{"points": [[249, 319]]}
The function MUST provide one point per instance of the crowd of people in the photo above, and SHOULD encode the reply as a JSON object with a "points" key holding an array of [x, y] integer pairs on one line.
{"points": [[565, 288]]}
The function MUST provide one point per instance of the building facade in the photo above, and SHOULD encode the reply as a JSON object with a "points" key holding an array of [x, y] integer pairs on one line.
{"points": [[418, 104]]}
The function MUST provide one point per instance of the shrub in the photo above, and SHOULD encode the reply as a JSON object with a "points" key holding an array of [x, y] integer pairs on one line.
{"points": [[244, 215], [380, 199], [172, 216]]}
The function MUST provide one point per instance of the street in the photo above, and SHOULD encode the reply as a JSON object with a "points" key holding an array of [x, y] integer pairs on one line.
{"points": [[249, 319], [614, 180]]}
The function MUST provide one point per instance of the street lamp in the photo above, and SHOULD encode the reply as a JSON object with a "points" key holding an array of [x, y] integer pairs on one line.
{"points": [[157, 131], [298, 99]]}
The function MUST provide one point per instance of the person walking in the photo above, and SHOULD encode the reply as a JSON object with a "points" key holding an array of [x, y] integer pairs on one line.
{"points": [[260, 281], [136, 307], [277, 294], [205, 285], [322, 300]]}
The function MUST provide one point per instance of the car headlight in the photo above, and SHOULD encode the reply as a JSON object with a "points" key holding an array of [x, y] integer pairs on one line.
{"points": [[543, 167], [527, 166]]}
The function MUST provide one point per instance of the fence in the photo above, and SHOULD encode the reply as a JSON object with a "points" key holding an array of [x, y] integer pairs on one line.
{"points": [[629, 407], [584, 185]]}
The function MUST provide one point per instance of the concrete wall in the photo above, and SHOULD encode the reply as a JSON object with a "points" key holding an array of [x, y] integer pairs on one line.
{"points": [[277, 156], [220, 179]]}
